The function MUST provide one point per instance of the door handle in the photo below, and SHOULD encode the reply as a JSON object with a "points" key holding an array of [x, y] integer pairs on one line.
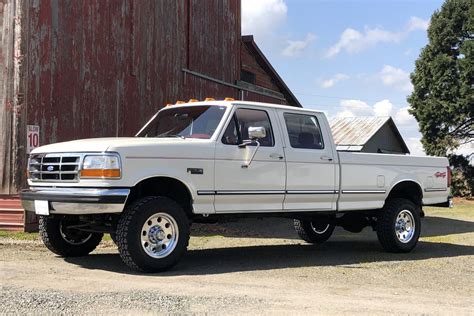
{"points": [[276, 156], [326, 158]]}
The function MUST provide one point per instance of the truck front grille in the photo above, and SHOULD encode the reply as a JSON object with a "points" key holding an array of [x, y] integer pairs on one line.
{"points": [[54, 167]]}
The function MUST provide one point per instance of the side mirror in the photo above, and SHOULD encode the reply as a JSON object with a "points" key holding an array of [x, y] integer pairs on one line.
{"points": [[257, 132]]}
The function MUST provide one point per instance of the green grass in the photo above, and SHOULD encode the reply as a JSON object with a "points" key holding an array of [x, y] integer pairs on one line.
{"points": [[463, 210], [32, 236], [19, 235]]}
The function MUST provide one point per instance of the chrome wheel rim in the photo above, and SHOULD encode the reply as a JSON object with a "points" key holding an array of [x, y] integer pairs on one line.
{"points": [[159, 235], [321, 229], [405, 226], [73, 236]]}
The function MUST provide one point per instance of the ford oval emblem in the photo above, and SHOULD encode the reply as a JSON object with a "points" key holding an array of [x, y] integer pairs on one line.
{"points": [[50, 168]]}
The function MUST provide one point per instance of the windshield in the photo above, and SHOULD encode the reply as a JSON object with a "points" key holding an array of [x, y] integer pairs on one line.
{"points": [[185, 122]]}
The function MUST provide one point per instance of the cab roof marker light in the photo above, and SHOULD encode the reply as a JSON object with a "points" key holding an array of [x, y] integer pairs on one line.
{"points": [[193, 100], [180, 102], [209, 99], [229, 99]]}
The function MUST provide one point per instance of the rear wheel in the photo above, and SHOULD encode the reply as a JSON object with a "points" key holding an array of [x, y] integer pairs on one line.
{"points": [[152, 234], [399, 225], [59, 237], [317, 231]]}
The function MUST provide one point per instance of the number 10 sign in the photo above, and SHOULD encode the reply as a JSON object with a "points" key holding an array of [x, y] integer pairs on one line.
{"points": [[32, 138]]}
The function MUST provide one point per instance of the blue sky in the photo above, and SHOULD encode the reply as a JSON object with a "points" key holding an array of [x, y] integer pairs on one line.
{"points": [[348, 58]]}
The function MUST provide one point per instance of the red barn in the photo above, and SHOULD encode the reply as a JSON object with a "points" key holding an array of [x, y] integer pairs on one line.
{"points": [[96, 68]]}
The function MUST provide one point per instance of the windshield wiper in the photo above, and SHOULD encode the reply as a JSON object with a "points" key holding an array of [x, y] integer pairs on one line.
{"points": [[171, 135]]}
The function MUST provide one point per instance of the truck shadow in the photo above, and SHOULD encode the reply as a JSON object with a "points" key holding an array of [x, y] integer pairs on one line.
{"points": [[283, 228], [271, 257], [342, 249]]}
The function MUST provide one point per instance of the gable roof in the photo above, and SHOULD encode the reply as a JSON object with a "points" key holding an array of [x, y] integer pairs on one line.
{"points": [[352, 133], [268, 68]]}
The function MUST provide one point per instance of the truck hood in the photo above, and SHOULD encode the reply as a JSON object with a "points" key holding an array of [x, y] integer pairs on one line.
{"points": [[111, 144]]}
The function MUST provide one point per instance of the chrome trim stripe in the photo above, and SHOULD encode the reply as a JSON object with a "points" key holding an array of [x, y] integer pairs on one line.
{"points": [[312, 192], [249, 192], [436, 189], [264, 192], [363, 191], [78, 191], [206, 192]]}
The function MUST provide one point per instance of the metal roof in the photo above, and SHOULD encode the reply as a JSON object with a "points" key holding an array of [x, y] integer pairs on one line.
{"points": [[352, 133]]}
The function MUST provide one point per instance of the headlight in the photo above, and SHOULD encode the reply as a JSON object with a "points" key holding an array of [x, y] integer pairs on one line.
{"points": [[101, 166]]}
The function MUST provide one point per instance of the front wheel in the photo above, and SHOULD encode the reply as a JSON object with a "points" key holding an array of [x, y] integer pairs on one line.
{"points": [[315, 232], [60, 238], [399, 225], [152, 234]]}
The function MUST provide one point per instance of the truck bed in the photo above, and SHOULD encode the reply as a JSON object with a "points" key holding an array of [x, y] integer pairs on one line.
{"points": [[365, 178]]}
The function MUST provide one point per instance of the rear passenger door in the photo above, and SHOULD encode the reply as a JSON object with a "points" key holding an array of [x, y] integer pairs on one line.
{"points": [[311, 167]]}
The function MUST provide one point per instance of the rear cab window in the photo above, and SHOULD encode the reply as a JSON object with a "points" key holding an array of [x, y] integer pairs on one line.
{"points": [[303, 131]]}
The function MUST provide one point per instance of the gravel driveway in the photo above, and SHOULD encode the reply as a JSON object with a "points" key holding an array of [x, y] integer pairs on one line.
{"points": [[258, 267]]}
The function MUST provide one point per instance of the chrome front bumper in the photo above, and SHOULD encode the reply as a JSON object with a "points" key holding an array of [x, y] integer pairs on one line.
{"points": [[76, 201]]}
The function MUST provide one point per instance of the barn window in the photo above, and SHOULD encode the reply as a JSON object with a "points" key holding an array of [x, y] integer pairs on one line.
{"points": [[247, 76]]}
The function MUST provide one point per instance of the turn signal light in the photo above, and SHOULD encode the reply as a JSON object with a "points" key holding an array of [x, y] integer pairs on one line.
{"points": [[100, 173]]}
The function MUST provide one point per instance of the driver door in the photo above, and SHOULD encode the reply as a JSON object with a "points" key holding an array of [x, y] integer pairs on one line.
{"points": [[261, 186]]}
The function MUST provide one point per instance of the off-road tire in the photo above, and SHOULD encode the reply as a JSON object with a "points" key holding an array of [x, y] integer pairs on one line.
{"points": [[129, 230], [307, 233], [386, 221], [49, 229]]}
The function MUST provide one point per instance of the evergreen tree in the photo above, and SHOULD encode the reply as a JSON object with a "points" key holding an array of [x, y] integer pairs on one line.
{"points": [[443, 98]]}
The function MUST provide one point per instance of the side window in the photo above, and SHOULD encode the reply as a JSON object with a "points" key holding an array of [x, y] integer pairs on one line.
{"points": [[237, 130], [304, 131]]}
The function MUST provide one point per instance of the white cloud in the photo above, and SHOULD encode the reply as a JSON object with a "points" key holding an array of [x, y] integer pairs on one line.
{"points": [[396, 77], [328, 83], [261, 18], [415, 146], [402, 117], [352, 108], [416, 23], [345, 113], [295, 48], [383, 108], [354, 41]]}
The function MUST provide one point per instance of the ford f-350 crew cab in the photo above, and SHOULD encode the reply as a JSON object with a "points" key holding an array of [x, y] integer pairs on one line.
{"points": [[203, 161]]}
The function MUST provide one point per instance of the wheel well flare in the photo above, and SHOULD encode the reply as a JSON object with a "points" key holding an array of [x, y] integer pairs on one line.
{"points": [[408, 190], [163, 186]]}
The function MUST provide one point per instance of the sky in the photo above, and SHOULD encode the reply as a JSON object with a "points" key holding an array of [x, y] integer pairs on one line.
{"points": [[347, 58]]}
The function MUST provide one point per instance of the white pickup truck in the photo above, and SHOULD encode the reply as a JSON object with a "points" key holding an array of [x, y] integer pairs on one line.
{"points": [[204, 161]]}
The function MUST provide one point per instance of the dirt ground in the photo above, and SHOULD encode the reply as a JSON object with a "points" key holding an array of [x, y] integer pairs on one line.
{"points": [[258, 267]]}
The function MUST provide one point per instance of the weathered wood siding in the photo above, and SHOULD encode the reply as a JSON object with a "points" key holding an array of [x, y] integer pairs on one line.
{"points": [[12, 109], [249, 63], [94, 68]]}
